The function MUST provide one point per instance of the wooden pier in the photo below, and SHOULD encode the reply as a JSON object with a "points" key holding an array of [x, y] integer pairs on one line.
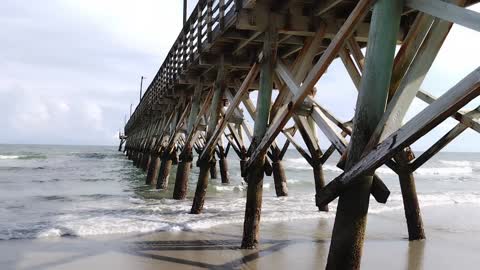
{"points": [[230, 48]]}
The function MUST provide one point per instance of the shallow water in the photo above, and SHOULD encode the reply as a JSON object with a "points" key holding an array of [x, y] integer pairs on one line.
{"points": [[52, 191]]}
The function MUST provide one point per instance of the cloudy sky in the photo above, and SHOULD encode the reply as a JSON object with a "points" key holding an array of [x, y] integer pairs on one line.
{"points": [[70, 68]]}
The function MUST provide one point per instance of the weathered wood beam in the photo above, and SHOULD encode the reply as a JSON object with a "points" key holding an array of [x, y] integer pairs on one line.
{"points": [[320, 115], [313, 76], [300, 67], [447, 12], [297, 146], [409, 49], [298, 25], [230, 111], [459, 116], [410, 84], [246, 42], [324, 6], [191, 138], [292, 131], [444, 141], [422, 123]]}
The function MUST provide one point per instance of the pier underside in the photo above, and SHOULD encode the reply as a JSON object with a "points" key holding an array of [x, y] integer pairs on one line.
{"points": [[277, 51]]}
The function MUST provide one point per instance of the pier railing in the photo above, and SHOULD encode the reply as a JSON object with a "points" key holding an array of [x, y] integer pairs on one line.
{"points": [[207, 17]]}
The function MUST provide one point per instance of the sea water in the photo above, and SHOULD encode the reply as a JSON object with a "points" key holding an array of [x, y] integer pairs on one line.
{"points": [[81, 191]]}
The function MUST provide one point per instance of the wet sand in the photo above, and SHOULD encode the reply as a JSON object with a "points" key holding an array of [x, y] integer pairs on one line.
{"points": [[299, 244]]}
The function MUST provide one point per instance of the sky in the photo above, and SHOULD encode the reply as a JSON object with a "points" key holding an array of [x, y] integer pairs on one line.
{"points": [[71, 68]]}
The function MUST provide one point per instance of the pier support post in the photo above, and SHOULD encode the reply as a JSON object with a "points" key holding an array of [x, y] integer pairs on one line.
{"points": [[319, 179], [153, 170], [131, 154], [136, 158], [410, 199], [317, 166], [186, 156], [205, 163], [147, 160], [350, 221], [223, 164], [213, 168], [279, 177], [202, 185], [255, 176], [122, 141], [164, 173], [141, 159], [183, 172]]}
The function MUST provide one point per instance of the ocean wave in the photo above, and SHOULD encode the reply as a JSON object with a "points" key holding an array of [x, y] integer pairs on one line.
{"points": [[297, 160], [24, 156], [54, 198], [90, 155]]}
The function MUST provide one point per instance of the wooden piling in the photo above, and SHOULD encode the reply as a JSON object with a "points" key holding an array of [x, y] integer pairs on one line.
{"points": [[201, 190], [186, 156], [253, 206], [181, 179], [350, 221], [153, 170], [213, 168], [319, 179], [279, 177], [164, 173], [223, 164], [205, 163], [410, 199], [147, 161]]}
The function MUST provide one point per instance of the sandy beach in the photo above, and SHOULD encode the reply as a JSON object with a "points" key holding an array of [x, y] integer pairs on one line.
{"points": [[300, 244]]}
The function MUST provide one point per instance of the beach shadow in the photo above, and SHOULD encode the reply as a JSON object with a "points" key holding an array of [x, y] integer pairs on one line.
{"points": [[160, 250], [245, 256]]}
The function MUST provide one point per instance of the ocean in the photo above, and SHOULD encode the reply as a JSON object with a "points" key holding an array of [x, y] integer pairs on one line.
{"points": [[87, 191]]}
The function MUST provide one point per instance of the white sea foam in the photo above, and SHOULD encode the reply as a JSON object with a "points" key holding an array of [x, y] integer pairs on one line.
{"points": [[9, 157], [173, 216], [297, 160], [297, 163], [236, 188], [444, 170], [50, 233], [332, 168]]}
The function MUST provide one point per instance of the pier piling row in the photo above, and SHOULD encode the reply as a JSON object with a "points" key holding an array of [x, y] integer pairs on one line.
{"points": [[231, 50]]}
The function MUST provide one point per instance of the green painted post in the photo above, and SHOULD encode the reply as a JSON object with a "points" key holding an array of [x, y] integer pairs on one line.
{"points": [[350, 221], [205, 164], [256, 172]]}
